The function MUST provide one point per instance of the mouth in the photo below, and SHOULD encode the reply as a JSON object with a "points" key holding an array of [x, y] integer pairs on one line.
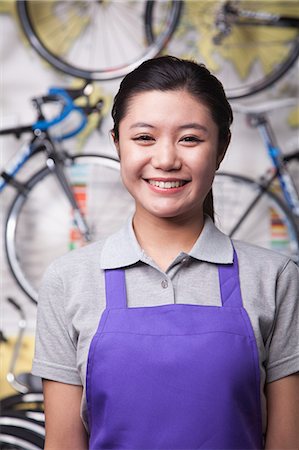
{"points": [[167, 184]]}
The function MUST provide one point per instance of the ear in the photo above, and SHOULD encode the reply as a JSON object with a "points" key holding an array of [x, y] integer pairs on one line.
{"points": [[116, 142], [222, 150]]}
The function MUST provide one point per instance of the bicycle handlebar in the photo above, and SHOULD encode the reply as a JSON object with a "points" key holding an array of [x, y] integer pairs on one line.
{"points": [[17, 131], [66, 97], [290, 156]]}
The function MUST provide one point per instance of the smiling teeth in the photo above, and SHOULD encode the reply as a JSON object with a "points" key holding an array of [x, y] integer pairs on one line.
{"points": [[166, 184]]}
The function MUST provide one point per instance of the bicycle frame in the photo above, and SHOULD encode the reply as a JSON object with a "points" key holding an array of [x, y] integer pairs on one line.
{"points": [[15, 165], [42, 141], [41, 126], [231, 14], [55, 162], [262, 18], [286, 182]]}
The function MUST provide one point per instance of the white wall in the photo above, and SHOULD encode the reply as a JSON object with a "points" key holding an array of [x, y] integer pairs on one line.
{"points": [[24, 74]]}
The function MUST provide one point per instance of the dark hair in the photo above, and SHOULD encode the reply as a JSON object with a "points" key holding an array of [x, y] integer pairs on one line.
{"points": [[167, 73]]}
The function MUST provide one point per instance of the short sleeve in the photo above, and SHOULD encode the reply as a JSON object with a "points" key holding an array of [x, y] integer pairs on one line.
{"points": [[55, 352], [283, 343]]}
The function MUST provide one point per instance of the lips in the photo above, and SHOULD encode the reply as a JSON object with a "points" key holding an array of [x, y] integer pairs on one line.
{"points": [[167, 183]]}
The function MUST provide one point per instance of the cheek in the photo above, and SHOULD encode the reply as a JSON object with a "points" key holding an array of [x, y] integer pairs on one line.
{"points": [[203, 171], [204, 164], [129, 167], [132, 161], [126, 178], [124, 170]]}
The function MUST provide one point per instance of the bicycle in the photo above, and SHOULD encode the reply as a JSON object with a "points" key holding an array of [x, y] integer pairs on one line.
{"points": [[265, 211], [19, 432], [249, 45], [22, 420], [70, 200], [64, 32]]}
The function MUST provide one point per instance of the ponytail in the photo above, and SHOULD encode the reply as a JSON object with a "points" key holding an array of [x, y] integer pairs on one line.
{"points": [[208, 205]]}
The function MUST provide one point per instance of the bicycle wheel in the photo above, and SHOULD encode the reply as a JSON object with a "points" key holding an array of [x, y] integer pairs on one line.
{"points": [[20, 432], [268, 223], [40, 225], [248, 58], [10, 442], [95, 40], [31, 401]]}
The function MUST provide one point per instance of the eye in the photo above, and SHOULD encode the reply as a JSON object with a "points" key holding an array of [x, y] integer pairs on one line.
{"points": [[143, 138], [191, 139]]}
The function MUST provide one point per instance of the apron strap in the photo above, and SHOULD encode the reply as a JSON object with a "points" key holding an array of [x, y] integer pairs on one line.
{"points": [[115, 283], [229, 282]]}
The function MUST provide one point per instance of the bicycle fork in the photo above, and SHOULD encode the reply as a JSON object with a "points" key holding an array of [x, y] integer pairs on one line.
{"points": [[56, 165]]}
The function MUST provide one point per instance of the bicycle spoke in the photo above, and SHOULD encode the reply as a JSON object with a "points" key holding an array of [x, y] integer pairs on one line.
{"points": [[93, 40], [249, 56], [103, 202], [257, 216]]}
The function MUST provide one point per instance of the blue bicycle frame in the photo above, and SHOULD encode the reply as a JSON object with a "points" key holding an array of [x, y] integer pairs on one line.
{"points": [[286, 183], [41, 125]]}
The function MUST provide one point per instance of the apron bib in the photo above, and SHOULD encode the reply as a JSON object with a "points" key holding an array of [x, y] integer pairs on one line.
{"points": [[175, 376]]}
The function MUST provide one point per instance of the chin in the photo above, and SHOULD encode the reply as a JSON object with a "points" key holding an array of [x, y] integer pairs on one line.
{"points": [[166, 214]]}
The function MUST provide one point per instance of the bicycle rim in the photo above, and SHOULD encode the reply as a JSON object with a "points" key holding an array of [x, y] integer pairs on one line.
{"points": [[41, 227], [95, 40], [269, 223], [20, 432], [250, 58], [19, 402], [10, 442]]}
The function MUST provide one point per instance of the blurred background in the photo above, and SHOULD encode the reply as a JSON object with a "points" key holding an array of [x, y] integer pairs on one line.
{"points": [[103, 44]]}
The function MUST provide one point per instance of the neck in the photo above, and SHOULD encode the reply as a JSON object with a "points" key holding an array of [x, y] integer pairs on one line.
{"points": [[164, 238]]}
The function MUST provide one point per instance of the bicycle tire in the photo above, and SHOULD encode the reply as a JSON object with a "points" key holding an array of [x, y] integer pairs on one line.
{"points": [[247, 61], [269, 223], [30, 401], [59, 30], [18, 431], [29, 246], [10, 442]]}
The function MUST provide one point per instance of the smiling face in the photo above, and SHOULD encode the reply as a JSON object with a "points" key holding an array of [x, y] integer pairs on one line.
{"points": [[168, 146]]}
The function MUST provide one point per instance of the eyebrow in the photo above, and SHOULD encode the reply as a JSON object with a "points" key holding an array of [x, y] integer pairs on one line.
{"points": [[193, 125], [141, 125]]}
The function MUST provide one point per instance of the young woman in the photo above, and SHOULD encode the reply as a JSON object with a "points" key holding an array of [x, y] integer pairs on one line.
{"points": [[168, 335]]}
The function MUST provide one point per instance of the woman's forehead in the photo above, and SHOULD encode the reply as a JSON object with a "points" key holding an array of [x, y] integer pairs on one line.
{"points": [[158, 105]]}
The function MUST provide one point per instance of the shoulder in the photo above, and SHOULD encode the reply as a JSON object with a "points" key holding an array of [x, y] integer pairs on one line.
{"points": [[258, 258], [73, 286], [265, 269], [75, 264]]}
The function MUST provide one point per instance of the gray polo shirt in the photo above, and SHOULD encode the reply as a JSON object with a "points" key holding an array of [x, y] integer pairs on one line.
{"points": [[72, 299]]}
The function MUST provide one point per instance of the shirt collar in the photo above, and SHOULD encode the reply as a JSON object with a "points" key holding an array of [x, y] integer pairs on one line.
{"points": [[122, 249], [212, 245]]}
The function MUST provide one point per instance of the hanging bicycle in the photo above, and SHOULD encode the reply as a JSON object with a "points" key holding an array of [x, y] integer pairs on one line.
{"points": [[265, 211], [248, 44], [72, 199], [22, 420]]}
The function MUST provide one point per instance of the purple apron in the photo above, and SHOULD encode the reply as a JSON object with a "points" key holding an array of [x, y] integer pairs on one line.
{"points": [[174, 376]]}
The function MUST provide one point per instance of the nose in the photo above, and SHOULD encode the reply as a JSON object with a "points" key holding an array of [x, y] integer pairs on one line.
{"points": [[166, 157]]}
